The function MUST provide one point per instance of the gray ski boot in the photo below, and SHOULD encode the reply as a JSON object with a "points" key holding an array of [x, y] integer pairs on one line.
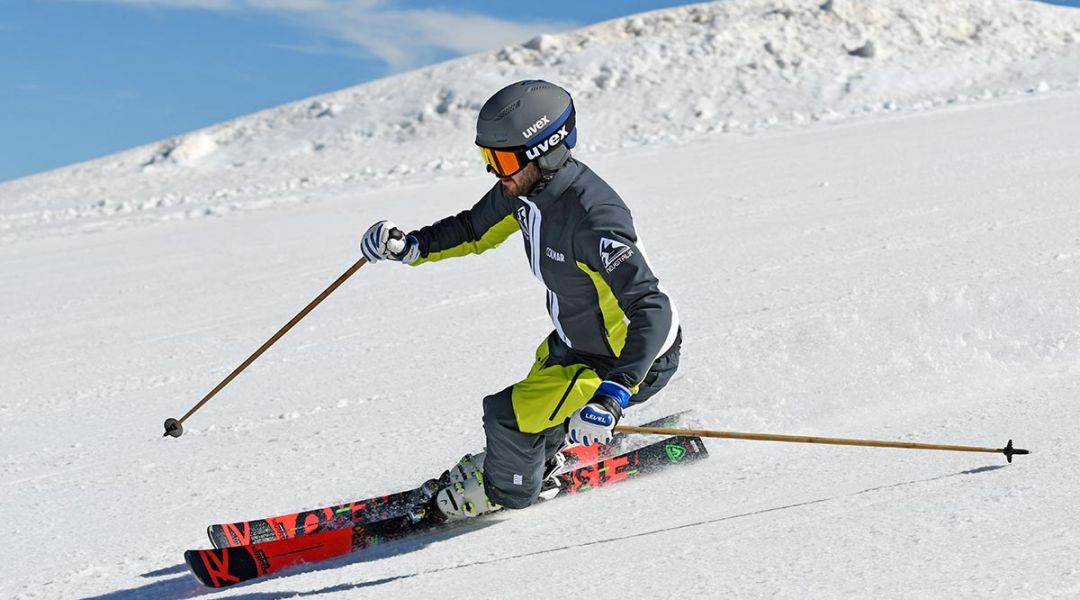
{"points": [[463, 496]]}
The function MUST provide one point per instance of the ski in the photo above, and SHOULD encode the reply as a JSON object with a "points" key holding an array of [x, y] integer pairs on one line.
{"points": [[381, 508], [308, 522], [221, 567]]}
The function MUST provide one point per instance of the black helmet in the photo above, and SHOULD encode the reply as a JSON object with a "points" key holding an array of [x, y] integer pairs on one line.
{"points": [[526, 121]]}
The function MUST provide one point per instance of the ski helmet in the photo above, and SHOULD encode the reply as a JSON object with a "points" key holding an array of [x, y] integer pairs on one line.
{"points": [[530, 120]]}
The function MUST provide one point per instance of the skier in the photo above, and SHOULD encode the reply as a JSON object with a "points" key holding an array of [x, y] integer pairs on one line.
{"points": [[617, 336]]}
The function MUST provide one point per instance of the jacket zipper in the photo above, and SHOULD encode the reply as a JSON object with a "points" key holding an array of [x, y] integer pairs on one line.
{"points": [[566, 394], [604, 333]]}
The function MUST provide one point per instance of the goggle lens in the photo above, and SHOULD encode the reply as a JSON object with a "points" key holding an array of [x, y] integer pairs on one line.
{"points": [[503, 163]]}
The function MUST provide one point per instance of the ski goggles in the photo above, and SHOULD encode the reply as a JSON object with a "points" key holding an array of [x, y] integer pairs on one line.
{"points": [[504, 162]]}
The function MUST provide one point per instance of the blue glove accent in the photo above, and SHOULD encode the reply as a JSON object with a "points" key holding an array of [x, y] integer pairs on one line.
{"points": [[373, 242], [370, 241], [614, 391], [369, 252]]}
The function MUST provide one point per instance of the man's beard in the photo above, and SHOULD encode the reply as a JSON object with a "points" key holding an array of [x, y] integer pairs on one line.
{"points": [[523, 182]]}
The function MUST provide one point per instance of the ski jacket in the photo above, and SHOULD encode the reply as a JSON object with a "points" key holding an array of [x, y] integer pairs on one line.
{"points": [[579, 237]]}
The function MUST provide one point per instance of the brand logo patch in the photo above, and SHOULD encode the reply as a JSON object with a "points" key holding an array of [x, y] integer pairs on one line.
{"points": [[674, 452], [535, 127], [613, 253], [523, 221], [555, 139], [588, 415], [555, 256]]}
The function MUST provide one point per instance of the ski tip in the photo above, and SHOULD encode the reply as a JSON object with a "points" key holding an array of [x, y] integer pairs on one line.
{"points": [[196, 567], [217, 536], [173, 428], [1009, 451]]}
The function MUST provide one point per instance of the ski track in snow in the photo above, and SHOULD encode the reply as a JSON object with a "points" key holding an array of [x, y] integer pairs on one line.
{"points": [[913, 278]]}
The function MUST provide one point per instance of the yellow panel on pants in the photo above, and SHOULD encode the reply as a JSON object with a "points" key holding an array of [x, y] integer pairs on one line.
{"points": [[550, 394]]}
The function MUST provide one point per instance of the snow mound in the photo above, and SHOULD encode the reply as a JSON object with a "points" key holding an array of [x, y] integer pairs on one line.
{"points": [[667, 77], [184, 150]]}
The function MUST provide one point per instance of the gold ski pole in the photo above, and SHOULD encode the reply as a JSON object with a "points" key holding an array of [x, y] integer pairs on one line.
{"points": [[174, 427], [1008, 450]]}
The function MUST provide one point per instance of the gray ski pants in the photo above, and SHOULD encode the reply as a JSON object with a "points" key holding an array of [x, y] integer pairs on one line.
{"points": [[525, 424]]}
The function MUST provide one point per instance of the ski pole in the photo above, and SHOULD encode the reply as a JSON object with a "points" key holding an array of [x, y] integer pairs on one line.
{"points": [[174, 427], [1008, 450]]}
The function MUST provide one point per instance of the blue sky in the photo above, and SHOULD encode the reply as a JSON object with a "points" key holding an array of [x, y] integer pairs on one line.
{"points": [[81, 79]]}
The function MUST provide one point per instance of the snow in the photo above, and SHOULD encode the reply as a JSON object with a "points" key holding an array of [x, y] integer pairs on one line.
{"points": [[894, 273]]}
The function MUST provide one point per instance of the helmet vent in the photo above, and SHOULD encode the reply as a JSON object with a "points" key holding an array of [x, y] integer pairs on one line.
{"points": [[509, 109]]}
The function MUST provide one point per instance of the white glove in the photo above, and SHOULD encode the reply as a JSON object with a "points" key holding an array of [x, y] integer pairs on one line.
{"points": [[594, 422], [384, 240]]}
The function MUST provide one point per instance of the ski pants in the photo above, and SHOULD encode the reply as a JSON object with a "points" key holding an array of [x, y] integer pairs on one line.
{"points": [[525, 424]]}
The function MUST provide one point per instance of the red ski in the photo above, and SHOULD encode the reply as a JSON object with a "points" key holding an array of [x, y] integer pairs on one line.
{"points": [[221, 567], [379, 508]]}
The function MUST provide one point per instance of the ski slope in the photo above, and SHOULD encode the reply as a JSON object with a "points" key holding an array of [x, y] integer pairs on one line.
{"points": [[908, 275]]}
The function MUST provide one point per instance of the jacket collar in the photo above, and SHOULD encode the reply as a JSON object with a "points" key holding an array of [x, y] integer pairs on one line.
{"points": [[549, 190]]}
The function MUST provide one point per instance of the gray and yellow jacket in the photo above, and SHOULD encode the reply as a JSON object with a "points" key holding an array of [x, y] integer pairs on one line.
{"points": [[581, 244]]}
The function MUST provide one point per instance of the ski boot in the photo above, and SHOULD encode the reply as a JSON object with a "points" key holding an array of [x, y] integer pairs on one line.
{"points": [[463, 496], [551, 485]]}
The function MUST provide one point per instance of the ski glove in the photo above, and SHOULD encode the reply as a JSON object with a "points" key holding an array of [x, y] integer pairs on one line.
{"points": [[594, 422], [384, 240]]}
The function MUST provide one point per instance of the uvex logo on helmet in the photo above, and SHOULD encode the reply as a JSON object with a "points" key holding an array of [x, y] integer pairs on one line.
{"points": [[554, 140], [536, 127]]}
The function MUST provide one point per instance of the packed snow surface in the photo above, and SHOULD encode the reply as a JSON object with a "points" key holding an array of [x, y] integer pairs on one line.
{"points": [[911, 274]]}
